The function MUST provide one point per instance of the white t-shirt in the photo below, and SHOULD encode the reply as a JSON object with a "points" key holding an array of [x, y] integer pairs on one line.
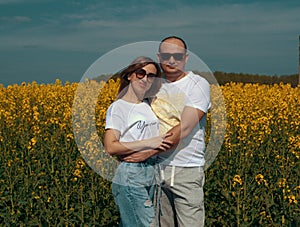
{"points": [[194, 91], [133, 121]]}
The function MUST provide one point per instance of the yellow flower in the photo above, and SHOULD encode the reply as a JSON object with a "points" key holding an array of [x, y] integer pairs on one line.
{"points": [[9, 163], [237, 180], [263, 213], [32, 142], [77, 173], [35, 196], [80, 164], [292, 199], [282, 183], [259, 178]]}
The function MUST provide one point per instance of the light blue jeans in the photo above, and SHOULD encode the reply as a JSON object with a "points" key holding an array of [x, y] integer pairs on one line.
{"points": [[133, 187]]}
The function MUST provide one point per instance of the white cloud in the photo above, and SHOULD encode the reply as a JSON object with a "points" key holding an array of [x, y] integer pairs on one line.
{"points": [[15, 19], [7, 2], [93, 28], [99, 23], [10, 1], [232, 37], [234, 18]]}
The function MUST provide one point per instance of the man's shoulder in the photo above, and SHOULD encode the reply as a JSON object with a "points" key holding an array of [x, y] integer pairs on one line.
{"points": [[197, 78]]}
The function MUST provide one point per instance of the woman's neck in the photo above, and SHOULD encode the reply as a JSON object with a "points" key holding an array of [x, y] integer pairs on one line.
{"points": [[130, 96]]}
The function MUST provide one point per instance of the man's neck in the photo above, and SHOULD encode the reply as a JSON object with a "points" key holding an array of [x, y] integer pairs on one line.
{"points": [[173, 78]]}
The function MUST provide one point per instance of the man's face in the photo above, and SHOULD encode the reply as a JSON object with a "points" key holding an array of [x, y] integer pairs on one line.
{"points": [[172, 57]]}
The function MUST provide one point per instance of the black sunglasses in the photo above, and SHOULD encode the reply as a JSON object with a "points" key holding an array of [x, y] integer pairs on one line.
{"points": [[141, 73], [176, 56]]}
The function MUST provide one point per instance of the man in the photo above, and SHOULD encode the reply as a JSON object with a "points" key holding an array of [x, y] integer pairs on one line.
{"points": [[181, 107]]}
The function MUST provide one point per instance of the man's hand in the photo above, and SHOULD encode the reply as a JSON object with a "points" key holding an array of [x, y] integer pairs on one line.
{"points": [[161, 143], [140, 156]]}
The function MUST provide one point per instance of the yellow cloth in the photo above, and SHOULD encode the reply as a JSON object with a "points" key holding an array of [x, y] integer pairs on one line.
{"points": [[168, 110]]}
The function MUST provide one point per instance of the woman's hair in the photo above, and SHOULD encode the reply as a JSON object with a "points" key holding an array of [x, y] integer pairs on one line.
{"points": [[139, 63]]}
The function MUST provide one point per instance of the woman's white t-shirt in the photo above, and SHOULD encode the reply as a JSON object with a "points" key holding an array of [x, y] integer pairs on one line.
{"points": [[133, 121]]}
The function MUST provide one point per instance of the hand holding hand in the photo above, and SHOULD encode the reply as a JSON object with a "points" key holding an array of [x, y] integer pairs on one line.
{"points": [[165, 143], [161, 142]]}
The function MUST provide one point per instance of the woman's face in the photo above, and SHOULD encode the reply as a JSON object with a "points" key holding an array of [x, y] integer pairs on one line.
{"points": [[141, 85]]}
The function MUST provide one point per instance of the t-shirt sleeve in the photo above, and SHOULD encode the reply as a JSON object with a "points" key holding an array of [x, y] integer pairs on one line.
{"points": [[199, 96], [113, 119]]}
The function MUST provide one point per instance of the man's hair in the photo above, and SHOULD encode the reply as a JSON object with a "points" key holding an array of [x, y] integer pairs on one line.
{"points": [[173, 37]]}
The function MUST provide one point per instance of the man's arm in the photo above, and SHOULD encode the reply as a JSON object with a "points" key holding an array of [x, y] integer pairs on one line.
{"points": [[189, 119]]}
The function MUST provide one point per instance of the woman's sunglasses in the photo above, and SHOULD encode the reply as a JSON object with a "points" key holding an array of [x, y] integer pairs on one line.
{"points": [[176, 56], [141, 73]]}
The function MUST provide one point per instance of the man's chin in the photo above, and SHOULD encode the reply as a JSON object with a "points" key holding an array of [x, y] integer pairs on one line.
{"points": [[174, 72], [171, 67]]}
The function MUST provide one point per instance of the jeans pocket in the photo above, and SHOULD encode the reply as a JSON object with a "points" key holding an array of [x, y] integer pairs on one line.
{"points": [[138, 176]]}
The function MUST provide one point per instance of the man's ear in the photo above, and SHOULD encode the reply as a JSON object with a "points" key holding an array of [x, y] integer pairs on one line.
{"points": [[186, 58], [158, 57]]}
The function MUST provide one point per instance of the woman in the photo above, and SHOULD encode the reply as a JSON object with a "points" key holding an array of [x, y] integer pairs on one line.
{"points": [[131, 126]]}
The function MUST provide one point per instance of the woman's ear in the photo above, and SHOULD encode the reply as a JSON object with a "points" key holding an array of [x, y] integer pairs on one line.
{"points": [[129, 76]]}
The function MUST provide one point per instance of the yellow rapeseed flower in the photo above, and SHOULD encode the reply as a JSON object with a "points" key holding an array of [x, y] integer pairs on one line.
{"points": [[77, 173], [292, 199], [282, 183], [237, 180], [79, 164], [9, 163], [259, 178]]}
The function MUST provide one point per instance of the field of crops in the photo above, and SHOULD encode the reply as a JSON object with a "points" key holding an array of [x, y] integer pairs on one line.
{"points": [[50, 176]]}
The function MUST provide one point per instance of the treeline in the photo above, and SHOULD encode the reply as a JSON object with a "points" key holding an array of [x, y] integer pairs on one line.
{"points": [[223, 78]]}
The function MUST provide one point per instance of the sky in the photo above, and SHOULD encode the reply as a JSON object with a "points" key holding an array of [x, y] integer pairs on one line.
{"points": [[45, 40]]}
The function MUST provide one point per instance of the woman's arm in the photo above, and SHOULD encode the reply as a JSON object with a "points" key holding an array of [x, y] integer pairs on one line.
{"points": [[114, 147], [189, 118], [140, 156]]}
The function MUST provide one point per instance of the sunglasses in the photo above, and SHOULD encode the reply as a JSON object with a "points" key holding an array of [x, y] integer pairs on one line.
{"points": [[176, 56], [141, 73]]}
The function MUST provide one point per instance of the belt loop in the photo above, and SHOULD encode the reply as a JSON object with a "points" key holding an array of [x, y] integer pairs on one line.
{"points": [[162, 173], [172, 176]]}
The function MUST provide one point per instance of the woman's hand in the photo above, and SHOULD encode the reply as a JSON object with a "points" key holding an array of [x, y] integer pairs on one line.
{"points": [[139, 156]]}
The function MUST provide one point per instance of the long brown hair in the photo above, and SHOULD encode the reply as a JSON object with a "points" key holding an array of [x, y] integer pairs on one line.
{"points": [[138, 63]]}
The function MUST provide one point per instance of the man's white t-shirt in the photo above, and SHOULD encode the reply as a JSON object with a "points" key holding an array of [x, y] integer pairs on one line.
{"points": [[191, 90]]}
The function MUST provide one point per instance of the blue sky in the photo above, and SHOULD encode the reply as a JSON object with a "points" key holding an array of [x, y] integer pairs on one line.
{"points": [[41, 40]]}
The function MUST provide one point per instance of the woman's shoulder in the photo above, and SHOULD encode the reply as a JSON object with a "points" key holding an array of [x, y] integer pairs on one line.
{"points": [[115, 106], [121, 105]]}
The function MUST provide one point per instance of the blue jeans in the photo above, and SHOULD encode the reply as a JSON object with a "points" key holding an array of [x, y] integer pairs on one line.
{"points": [[133, 189]]}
